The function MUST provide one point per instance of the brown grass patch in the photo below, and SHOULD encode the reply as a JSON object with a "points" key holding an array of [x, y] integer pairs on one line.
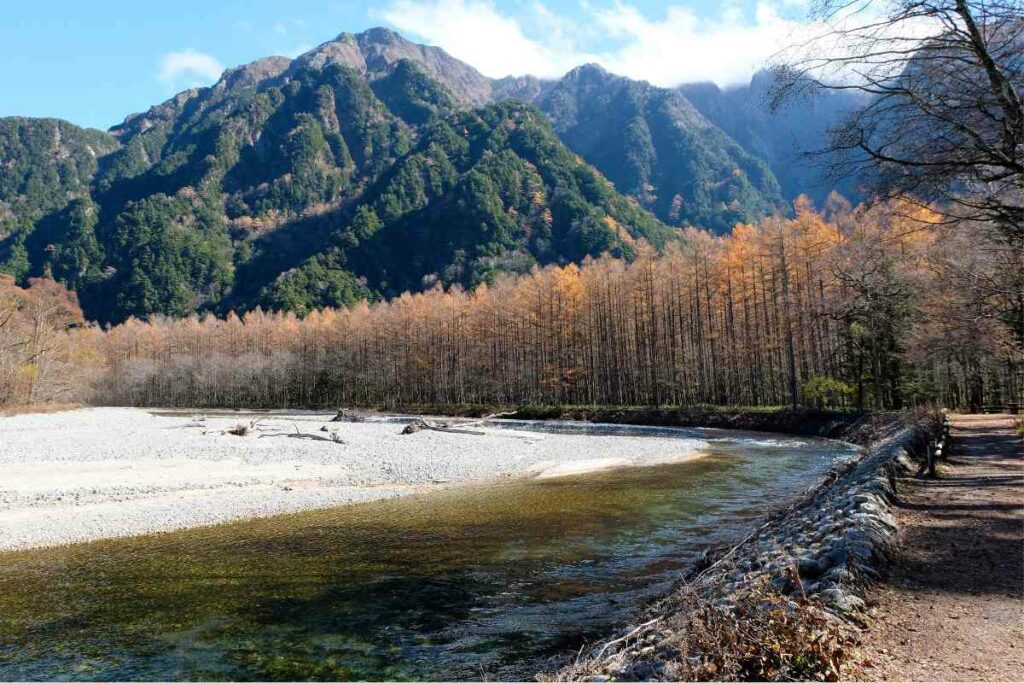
{"points": [[10, 411], [763, 635]]}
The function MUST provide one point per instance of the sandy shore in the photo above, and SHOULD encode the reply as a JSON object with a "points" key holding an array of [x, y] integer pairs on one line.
{"points": [[108, 472]]}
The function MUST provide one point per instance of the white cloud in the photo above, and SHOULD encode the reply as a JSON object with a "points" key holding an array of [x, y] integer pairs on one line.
{"points": [[679, 46], [476, 32], [684, 47], [188, 68]]}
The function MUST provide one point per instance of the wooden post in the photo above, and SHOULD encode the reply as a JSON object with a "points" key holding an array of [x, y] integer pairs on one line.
{"points": [[941, 449]]}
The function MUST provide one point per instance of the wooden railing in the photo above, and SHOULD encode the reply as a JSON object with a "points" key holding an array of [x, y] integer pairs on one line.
{"points": [[942, 447]]}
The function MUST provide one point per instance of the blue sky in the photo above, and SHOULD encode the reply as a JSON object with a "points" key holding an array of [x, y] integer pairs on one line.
{"points": [[94, 62]]}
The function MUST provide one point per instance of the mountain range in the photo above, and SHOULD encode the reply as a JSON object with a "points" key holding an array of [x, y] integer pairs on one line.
{"points": [[372, 165]]}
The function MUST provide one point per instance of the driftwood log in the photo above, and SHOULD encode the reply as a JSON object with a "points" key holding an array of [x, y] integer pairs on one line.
{"points": [[241, 429], [253, 427], [419, 424], [345, 416]]}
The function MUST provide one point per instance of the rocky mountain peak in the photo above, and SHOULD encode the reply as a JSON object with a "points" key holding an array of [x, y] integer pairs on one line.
{"points": [[374, 51], [380, 35], [591, 71], [343, 50], [254, 73]]}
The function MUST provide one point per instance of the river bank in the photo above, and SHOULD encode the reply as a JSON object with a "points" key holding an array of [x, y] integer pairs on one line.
{"points": [[787, 601], [109, 472]]}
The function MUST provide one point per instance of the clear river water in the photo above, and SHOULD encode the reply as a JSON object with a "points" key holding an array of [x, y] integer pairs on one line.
{"points": [[495, 580]]}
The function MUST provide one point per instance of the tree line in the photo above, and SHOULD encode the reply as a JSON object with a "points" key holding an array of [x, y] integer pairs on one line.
{"points": [[848, 308]]}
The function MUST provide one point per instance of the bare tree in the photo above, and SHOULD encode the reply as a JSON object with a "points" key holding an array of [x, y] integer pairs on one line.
{"points": [[943, 116]]}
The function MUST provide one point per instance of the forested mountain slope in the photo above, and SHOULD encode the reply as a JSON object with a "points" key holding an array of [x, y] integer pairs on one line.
{"points": [[365, 167], [655, 146], [480, 193], [314, 182], [46, 168]]}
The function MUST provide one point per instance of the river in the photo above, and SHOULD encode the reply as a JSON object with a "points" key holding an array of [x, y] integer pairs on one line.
{"points": [[494, 580]]}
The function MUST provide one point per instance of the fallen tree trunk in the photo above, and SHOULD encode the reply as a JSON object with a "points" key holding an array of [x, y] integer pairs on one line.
{"points": [[419, 424]]}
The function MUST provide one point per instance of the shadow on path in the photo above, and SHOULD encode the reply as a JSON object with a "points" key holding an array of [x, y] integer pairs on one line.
{"points": [[953, 606]]}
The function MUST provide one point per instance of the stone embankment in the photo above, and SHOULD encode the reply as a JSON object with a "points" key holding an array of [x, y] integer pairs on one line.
{"points": [[750, 611]]}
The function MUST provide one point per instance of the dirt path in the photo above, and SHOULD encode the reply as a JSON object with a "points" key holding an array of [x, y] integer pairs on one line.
{"points": [[953, 606]]}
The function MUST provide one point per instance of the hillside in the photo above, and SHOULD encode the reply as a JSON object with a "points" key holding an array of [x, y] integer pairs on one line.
{"points": [[481, 193], [47, 168], [657, 147]]}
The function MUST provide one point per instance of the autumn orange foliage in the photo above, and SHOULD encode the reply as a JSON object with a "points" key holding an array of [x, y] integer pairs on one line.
{"points": [[47, 355]]}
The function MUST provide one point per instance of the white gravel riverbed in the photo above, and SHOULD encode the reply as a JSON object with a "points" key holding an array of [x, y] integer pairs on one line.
{"points": [[107, 472]]}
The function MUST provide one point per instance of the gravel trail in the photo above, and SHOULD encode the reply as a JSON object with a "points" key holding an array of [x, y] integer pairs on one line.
{"points": [[952, 608]]}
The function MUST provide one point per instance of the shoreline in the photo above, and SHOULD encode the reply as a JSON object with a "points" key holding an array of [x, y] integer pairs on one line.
{"points": [[97, 473], [788, 601]]}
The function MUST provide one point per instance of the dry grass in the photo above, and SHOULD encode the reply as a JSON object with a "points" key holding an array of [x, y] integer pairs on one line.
{"points": [[763, 635], [42, 408]]}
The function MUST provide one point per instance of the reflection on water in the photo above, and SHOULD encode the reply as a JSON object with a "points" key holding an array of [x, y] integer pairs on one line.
{"points": [[478, 581]]}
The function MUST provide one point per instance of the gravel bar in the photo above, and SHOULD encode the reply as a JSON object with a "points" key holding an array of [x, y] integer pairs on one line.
{"points": [[108, 472]]}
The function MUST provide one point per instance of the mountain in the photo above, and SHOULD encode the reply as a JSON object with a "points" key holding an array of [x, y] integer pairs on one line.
{"points": [[480, 193], [791, 141], [652, 143], [377, 50], [657, 147], [366, 167], [318, 181]]}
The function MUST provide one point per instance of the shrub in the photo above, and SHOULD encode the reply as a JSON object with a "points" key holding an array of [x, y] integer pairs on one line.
{"points": [[820, 391]]}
